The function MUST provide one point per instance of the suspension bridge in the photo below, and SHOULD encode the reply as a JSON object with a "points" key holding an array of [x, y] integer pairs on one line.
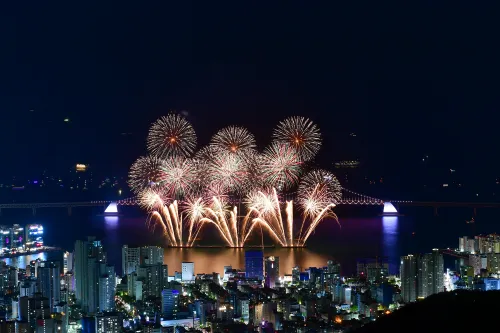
{"points": [[111, 207]]}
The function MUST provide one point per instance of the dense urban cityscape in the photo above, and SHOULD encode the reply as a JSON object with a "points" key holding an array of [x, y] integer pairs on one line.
{"points": [[84, 293]]}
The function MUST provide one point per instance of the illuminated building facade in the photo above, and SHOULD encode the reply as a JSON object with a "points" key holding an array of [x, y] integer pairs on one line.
{"points": [[17, 237], [430, 274], [4, 239], [187, 271], [272, 265], [34, 236], [254, 265], [409, 278], [169, 300]]}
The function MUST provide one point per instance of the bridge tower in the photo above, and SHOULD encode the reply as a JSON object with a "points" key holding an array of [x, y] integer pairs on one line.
{"points": [[389, 209], [112, 209]]}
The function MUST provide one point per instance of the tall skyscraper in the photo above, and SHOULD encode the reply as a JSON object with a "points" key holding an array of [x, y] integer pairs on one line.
{"points": [[187, 271], [408, 278], [49, 282], [151, 255], [90, 270], [422, 275], [154, 279], [81, 270], [130, 259], [34, 308], [67, 262], [169, 299], [133, 257], [272, 265], [296, 275], [254, 265], [430, 274], [107, 288]]}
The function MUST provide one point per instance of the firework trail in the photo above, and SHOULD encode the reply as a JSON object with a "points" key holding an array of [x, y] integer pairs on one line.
{"points": [[194, 210], [265, 206], [171, 135], [319, 191], [300, 133], [166, 216]]}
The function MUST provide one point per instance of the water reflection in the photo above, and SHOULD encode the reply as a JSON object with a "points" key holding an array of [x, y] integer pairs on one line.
{"points": [[390, 241], [208, 260], [111, 222], [23, 261]]}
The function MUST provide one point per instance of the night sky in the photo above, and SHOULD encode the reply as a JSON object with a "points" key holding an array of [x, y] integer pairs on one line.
{"points": [[408, 80]]}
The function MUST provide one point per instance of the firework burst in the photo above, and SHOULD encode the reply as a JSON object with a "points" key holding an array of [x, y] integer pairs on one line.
{"points": [[226, 172], [300, 133], [171, 135], [229, 168], [179, 176], [233, 139], [280, 166], [317, 189], [145, 172]]}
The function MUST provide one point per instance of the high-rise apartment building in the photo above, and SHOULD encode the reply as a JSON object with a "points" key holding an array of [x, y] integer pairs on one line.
{"points": [[153, 278], [254, 265], [107, 288], [133, 257], [151, 255], [421, 275], [34, 308], [169, 301], [90, 270], [49, 282], [187, 271], [430, 274], [130, 259], [67, 262], [408, 272], [272, 266], [296, 275]]}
